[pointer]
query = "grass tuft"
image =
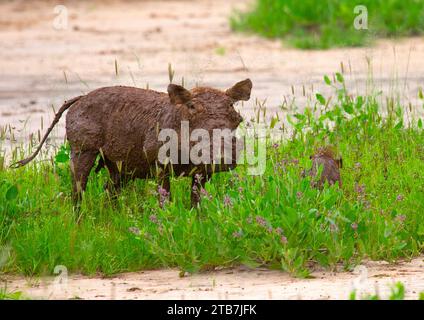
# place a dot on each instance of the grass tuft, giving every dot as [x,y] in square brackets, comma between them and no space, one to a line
[310,24]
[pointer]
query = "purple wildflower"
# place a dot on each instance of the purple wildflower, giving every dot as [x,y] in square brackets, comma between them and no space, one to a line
[360,188]
[198,178]
[227,201]
[163,195]
[279,231]
[238,234]
[401,218]
[261,220]
[284,162]
[295,162]
[205,193]
[354,226]
[299,194]
[154,218]
[399,197]
[367,204]
[134,230]
[283,239]
[334,227]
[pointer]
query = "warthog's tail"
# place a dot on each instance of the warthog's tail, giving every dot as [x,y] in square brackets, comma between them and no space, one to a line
[62,109]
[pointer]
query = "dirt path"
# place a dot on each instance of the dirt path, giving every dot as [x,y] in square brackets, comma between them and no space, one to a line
[40,66]
[239,283]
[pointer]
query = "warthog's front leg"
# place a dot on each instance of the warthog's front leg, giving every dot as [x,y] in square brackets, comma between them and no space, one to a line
[198,182]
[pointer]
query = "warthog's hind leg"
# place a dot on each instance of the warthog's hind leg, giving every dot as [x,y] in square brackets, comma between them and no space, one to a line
[81,165]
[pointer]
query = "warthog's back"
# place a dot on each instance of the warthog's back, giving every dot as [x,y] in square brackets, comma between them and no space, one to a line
[113,115]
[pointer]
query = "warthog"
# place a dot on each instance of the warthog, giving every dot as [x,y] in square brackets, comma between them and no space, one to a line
[122,124]
[330,168]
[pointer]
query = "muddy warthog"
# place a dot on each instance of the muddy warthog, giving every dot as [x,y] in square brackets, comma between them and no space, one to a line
[330,168]
[121,124]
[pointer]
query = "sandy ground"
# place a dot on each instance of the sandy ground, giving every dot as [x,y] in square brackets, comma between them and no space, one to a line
[41,65]
[239,283]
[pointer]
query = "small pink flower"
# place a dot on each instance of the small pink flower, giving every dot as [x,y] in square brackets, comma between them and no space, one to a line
[295,162]
[399,197]
[279,231]
[153,218]
[354,226]
[227,201]
[198,178]
[401,218]
[261,220]
[163,195]
[334,227]
[238,234]
[134,230]
[283,240]
[360,188]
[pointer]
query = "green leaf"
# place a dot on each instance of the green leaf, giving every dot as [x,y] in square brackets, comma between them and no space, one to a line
[348,108]
[274,121]
[61,157]
[397,292]
[420,230]
[327,80]
[399,125]
[339,77]
[320,98]
[359,102]
[420,93]
[11,193]
[420,123]
[299,116]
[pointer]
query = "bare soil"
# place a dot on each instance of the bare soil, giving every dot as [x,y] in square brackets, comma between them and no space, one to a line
[238,283]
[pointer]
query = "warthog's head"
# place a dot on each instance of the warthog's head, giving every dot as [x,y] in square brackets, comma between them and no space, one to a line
[210,112]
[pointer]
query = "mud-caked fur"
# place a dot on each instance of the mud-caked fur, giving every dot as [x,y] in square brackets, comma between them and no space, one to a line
[324,157]
[121,124]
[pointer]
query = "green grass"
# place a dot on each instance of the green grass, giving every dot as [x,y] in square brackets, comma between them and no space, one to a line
[323,24]
[275,220]
[5,294]
[397,292]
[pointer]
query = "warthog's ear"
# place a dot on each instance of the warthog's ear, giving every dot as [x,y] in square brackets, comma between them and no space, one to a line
[240,91]
[178,94]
